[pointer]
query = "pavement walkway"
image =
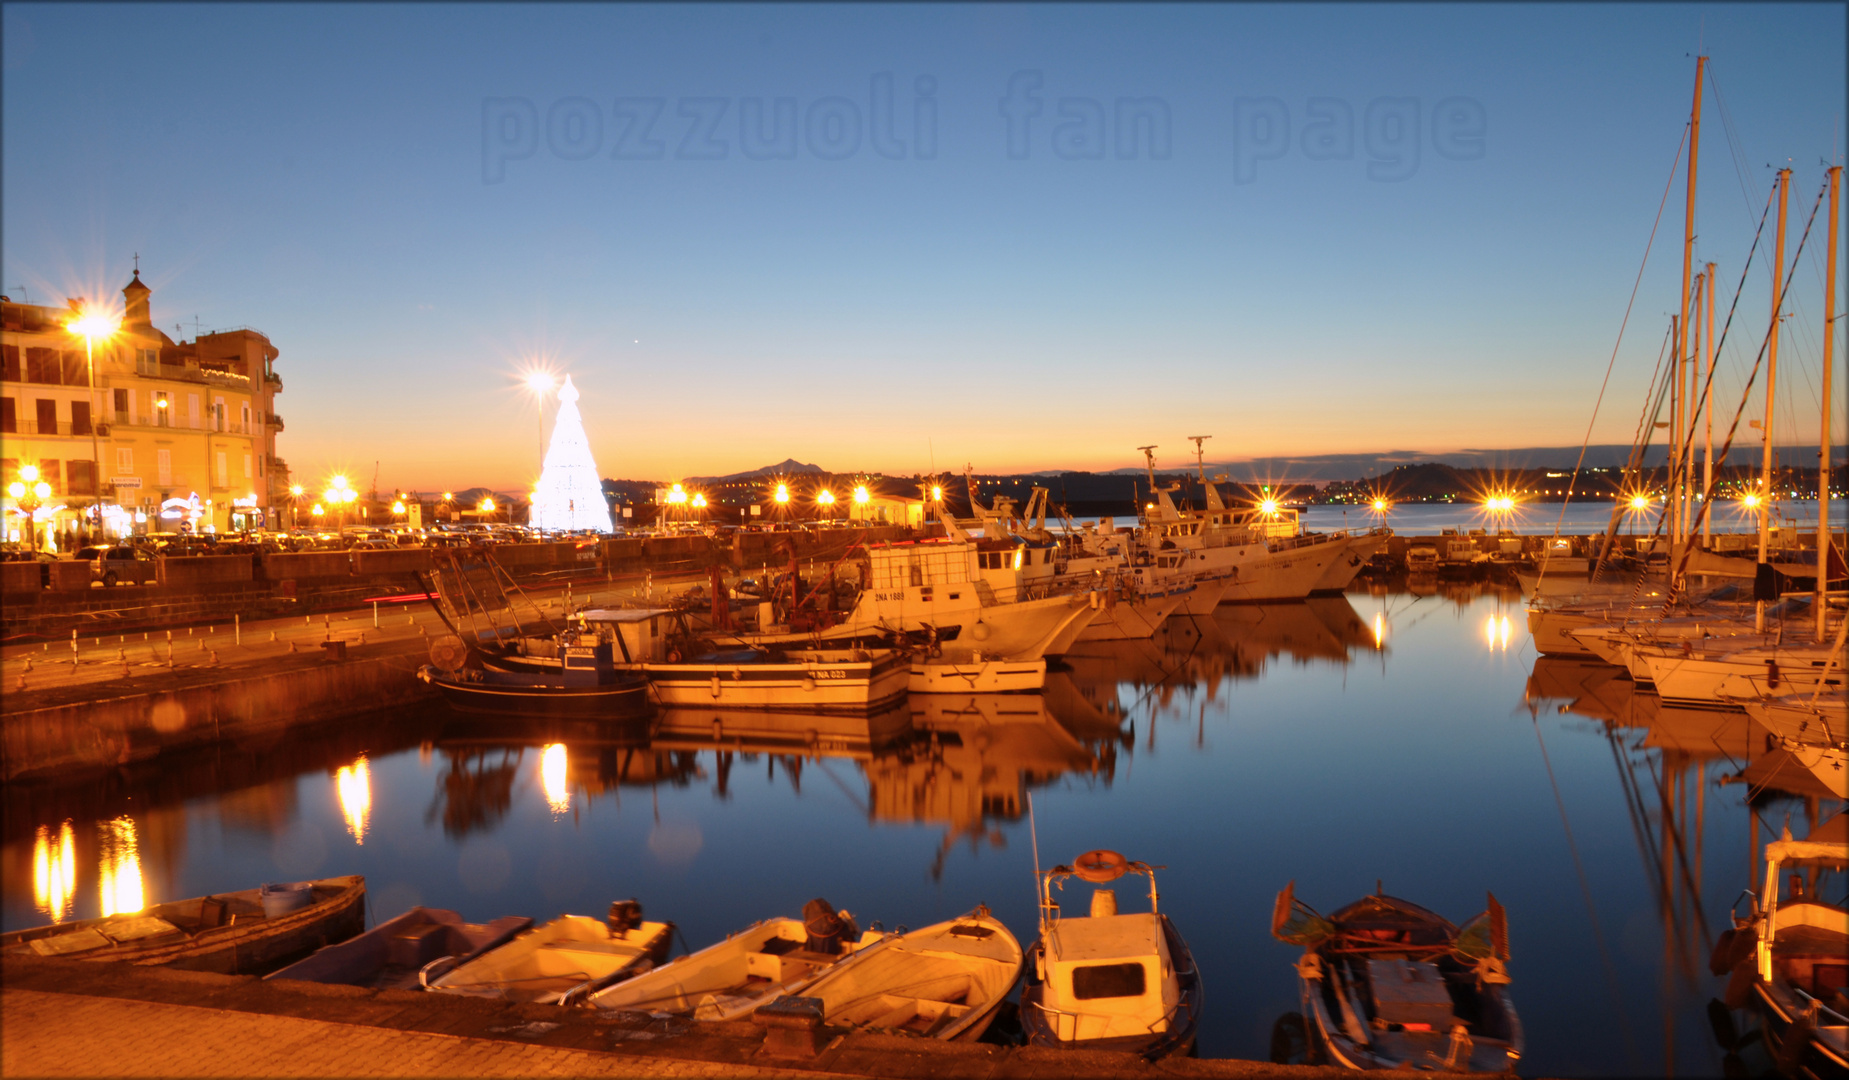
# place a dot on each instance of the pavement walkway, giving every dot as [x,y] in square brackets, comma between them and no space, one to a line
[59,1035]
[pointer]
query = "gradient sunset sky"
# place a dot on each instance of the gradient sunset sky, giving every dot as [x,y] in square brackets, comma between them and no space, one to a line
[891,238]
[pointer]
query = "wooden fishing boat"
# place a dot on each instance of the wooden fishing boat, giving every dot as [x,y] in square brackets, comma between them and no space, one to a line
[1389,985]
[559,963]
[580,681]
[1110,981]
[942,982]
[229,933]
[1788,961]
[389,956]
[732,978]
[975,673]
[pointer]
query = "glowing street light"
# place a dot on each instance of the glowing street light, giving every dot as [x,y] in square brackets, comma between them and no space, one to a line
[29,493]
[90,325]
[699,502]
[861,496]
[1640,502]
[542,384]
[1749,501]
[1266,506]
[782,495]
[937,493]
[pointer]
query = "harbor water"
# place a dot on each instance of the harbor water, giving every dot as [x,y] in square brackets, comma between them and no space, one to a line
[1401,737]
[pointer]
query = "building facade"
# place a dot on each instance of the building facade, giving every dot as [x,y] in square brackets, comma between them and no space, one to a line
[153,436]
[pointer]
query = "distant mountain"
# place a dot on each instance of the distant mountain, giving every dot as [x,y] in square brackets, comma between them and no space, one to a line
[786,467]
[1359,466]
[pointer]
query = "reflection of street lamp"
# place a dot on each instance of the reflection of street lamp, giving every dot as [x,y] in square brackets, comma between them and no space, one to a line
[29,493]
[92,325]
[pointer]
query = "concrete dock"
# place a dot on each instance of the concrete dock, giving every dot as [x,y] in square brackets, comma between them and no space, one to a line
[81,1018]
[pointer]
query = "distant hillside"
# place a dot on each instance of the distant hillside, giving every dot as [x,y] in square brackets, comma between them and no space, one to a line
[786,467]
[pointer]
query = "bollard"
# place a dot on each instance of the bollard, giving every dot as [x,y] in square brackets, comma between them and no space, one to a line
[308,620]
[375,614]
[122,655]
[237,629]
[211,629]
[362,638]
[214,656]
[22,682]
[272,637]
[28,663]
[201,644]
[292,646]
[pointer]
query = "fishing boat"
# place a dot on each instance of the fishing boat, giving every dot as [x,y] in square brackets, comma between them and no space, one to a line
[1110,981]
[1387,984]
[942,982]
[559,963]
[730,979]
[235,933]
[389,956]
[1788,960]
[585,686]
[975,672]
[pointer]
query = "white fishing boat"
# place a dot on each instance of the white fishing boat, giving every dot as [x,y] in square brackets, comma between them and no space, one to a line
[1109,981]
[942,982]
[1786,961]
[730,979]
[558,963]
[1730,671]
[975,673]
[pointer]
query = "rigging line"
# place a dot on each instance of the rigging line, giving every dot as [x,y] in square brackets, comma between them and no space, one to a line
[1585,892]
[1741,170]
[1632,473]
[1613,362]
[1679,848]
[1707,497]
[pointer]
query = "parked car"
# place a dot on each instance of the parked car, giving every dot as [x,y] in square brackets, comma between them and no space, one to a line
[120,565]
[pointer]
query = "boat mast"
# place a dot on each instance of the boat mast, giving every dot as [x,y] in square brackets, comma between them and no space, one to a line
[1200,463]
[1823,439]
[1765,483]
[1707,457]
[1678,408]
[1693,398]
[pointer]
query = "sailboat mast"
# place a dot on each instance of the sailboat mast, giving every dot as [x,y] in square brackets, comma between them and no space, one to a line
[1687,497]
[1679,409]
[1823,438]
[1707,457]
[1778,302]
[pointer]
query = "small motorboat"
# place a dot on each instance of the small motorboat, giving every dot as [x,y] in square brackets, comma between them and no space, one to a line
[235,933]
[1110,981]
[389,956]
[582,681]
[942,982]
[560,963]
[1788,961]
[731,979]
[975,673]
[1389,985]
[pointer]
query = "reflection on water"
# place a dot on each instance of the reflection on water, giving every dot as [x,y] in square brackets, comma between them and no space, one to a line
[552,768]
[119,867]
[353,783]
[1404,733]
[54,872]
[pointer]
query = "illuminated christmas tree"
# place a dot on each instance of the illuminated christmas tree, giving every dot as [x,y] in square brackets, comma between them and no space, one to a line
[569,495]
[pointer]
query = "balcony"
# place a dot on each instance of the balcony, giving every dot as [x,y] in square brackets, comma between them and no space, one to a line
[276,421]
[33,427]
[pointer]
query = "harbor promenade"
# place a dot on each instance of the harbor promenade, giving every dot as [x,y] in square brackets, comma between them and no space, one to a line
[83,1019]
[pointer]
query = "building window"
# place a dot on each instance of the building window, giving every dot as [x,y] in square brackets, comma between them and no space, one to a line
[163,463]
[161,408]
[9,363]
[246,428]
[223,479]
[76,373]
[192,411]
[42,366]
[125,459]
[48,416]
[51,471]
[82,477]
[80,418]
[121,402]
[9,418]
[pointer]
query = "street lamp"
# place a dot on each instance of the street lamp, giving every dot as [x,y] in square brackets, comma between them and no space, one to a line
[91,325]
[826,500]
[541,384]
[29,493]
[295,501]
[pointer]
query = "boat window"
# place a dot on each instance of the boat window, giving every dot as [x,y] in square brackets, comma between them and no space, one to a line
[1107,981]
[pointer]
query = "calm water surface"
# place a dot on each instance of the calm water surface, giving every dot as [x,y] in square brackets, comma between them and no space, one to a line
[1400,736]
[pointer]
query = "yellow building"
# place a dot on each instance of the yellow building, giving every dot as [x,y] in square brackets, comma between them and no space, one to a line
[185,432]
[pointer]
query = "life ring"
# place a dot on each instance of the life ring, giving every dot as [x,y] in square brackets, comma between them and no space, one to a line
[674,656]
[1100,866]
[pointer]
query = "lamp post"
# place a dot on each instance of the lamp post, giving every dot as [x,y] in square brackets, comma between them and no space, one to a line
[29,493]
[541,384]
[91,325]
[826,500]
[295,505]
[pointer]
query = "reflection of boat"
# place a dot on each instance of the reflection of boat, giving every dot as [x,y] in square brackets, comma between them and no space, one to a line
[835,734]
[229,933]
[1389,985]
[389,956]
[732,978]
[1789,961]
[1110,981]
[942,982]
[560,962]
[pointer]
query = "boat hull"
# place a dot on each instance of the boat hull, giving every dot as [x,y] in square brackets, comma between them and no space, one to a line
[249,943]
[510,693]
[556,963]
[824,681]
[1132,620]
[388,956]
[971,676]
[1183,1026]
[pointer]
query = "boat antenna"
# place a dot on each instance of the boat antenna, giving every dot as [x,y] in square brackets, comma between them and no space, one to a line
[1033,832]
[1200,459]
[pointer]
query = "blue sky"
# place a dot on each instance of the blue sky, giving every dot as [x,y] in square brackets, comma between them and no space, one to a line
[350,180]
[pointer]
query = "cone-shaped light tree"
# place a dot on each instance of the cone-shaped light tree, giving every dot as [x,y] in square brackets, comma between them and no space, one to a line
[569,495]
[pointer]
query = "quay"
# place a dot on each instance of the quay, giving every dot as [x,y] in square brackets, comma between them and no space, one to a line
[83,1018]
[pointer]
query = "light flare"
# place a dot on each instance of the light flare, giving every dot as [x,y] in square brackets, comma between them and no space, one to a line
[54,872]
[1380,629]
[1496,631]
[353,783]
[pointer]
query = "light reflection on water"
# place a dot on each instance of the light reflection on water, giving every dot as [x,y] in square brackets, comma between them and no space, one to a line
[119,886]
[54,871]
[1404,734]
